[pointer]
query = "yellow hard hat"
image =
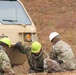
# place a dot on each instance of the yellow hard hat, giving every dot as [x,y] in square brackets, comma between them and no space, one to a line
[35,47]
[6,41]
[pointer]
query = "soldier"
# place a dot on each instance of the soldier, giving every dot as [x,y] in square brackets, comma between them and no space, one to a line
[62,52]
[5,65]
[35,56]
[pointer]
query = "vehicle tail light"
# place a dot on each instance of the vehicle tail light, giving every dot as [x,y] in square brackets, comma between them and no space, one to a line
[27,37]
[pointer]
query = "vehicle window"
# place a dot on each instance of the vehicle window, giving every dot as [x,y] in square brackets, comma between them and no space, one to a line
[13,13]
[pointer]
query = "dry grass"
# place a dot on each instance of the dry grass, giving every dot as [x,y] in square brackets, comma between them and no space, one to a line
[53,15]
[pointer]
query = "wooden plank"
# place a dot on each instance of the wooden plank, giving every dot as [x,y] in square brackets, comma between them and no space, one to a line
[59,73]
[31,74]
[41,73]
[34,74]
[64,73]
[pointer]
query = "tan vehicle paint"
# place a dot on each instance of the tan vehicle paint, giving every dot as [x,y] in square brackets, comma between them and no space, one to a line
[16,31]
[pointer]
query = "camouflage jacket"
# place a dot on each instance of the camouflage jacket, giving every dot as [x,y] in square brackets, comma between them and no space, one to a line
[63,54]
[35,62]
[5,62]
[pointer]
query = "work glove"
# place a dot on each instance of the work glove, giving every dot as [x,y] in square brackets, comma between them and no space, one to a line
[21,48]
[47,62]
[18,45]
[52,66]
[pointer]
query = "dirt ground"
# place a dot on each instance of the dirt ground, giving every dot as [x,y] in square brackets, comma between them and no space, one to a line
[53,15]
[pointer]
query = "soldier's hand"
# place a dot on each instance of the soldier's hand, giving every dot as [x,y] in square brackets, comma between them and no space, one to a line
[47,62]
[18,45]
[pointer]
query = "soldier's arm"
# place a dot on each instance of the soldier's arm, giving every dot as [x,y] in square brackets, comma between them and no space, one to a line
[21,47]
[53,54]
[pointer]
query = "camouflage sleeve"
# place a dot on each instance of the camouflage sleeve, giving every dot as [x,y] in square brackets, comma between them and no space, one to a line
[6,66]
[55,52]
[24,49]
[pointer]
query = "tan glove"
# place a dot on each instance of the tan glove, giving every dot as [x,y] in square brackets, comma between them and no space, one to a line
[46,62]
[53,66]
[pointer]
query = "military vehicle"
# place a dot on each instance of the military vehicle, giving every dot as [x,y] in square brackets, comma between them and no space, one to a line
[16,24]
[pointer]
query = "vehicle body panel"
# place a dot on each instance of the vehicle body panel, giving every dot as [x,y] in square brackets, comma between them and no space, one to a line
[16,24]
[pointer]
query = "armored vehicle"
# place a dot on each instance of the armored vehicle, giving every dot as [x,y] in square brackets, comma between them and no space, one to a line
[16,24]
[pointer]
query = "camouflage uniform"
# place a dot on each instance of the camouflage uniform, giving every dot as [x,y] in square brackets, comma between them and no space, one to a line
[62,53]
[5,66]
[35,62]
